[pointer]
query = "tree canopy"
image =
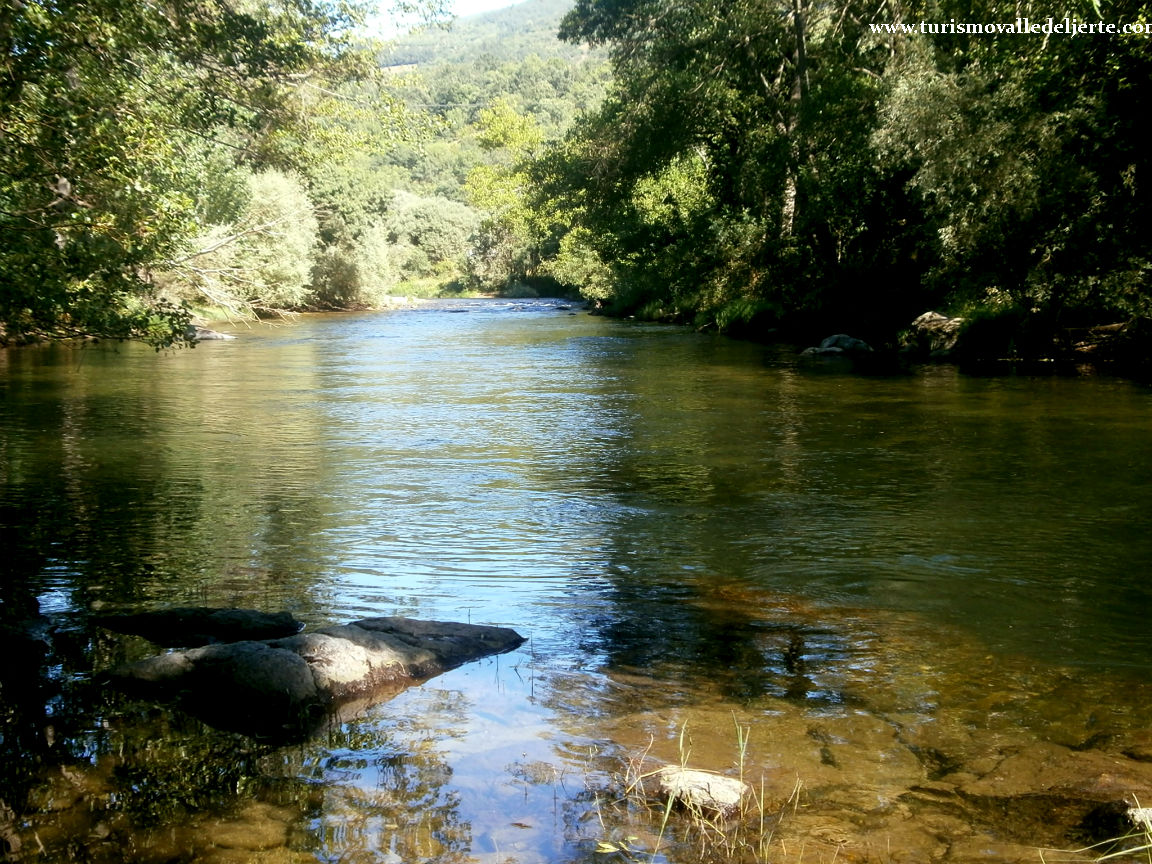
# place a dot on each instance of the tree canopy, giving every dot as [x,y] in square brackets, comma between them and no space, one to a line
[748,165]
[772,160]
[110,110]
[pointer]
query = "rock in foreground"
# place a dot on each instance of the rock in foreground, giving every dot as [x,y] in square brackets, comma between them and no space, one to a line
[702,790]
[286,687]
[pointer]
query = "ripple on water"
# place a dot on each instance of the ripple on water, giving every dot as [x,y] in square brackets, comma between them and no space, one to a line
[898,587]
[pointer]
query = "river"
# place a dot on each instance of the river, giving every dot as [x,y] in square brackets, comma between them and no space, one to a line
[894,600]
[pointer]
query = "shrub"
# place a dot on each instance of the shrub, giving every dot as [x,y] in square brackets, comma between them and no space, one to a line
[439,228]
[262,260]
[355,275]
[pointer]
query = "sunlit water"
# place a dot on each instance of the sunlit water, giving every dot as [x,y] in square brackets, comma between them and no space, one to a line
[891,579]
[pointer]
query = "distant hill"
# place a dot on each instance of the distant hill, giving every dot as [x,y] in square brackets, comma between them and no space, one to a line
[451,74]
[503,35]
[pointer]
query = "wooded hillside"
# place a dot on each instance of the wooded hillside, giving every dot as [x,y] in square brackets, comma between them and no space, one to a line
[159,165]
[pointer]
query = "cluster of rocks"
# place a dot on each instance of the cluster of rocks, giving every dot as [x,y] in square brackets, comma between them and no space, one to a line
[930,335]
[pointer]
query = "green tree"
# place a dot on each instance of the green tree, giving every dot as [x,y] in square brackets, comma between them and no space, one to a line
[104,106]
[829,157]
[511,238]
[261,261]
[1027,152]
[438,227]
[727,176]
[359,275]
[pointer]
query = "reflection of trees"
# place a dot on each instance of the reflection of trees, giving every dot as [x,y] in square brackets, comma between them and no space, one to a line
[989,504]
[700,633]
[183,479]
[388,792]
[150,778]
[132,479]
[694,441]
[727,504]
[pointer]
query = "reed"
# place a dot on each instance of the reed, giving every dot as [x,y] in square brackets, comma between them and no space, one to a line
[741,836]
[1135,846]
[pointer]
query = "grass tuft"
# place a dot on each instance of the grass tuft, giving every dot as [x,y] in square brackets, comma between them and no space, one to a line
[1134,846]
[660,825]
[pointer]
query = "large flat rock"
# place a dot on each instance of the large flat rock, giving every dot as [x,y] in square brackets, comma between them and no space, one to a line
[287,687]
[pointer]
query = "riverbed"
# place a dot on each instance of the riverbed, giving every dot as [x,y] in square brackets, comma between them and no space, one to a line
[909,605]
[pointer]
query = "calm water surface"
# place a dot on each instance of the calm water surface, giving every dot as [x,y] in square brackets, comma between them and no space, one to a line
[887,582]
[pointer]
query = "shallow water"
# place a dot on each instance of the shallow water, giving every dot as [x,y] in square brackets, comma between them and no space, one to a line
[890,583]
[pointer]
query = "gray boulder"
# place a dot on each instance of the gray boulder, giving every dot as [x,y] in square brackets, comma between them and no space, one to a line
[837,345]
[287,688]
[933,334]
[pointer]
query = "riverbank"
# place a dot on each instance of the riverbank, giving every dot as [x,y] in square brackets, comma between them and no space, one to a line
[980,337]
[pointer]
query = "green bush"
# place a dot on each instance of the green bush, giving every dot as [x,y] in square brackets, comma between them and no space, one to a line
[438,228]
[276,255]
[355,275]
[262,260]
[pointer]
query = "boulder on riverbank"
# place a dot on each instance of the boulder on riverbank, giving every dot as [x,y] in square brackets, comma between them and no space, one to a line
[932,334]
[286,687]
[838,345]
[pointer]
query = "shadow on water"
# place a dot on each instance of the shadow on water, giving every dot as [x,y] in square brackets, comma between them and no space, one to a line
[678,632]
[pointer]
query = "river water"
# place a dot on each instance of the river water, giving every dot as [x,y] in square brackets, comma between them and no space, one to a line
[909,605]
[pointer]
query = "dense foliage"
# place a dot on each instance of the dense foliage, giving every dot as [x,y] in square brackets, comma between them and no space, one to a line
[250,158]
[112,112]
[745,166]
[493,88]
[1027,154]
[770,161]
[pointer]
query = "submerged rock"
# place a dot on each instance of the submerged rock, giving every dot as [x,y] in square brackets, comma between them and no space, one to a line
[701,790]
[287,687]
[197,333]
[1085,793]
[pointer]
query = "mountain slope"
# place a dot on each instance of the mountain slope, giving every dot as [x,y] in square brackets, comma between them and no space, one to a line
[508,34]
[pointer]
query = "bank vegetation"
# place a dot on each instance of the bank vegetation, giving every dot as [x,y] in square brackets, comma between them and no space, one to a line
[762,167]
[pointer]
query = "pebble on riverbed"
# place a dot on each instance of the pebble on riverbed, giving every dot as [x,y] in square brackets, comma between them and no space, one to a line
[702,789]
[1141,817]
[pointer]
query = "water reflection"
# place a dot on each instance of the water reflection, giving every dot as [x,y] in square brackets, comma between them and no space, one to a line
[893,582]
